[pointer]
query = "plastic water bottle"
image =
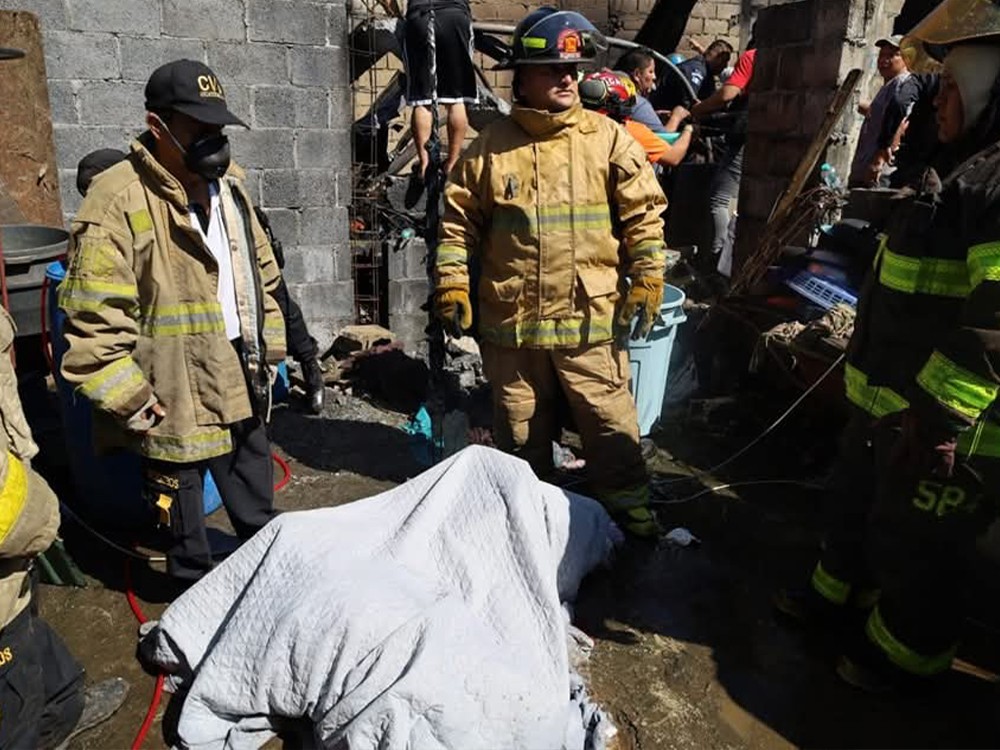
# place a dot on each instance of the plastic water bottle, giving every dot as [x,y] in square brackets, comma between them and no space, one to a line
[830,177]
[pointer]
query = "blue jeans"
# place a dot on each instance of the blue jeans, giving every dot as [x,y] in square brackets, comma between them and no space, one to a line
[724,187]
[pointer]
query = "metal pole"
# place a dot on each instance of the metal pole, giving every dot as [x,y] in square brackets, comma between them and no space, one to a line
[433,180]
[500,28]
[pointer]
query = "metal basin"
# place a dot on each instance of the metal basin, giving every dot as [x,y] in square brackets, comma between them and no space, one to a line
[27,250]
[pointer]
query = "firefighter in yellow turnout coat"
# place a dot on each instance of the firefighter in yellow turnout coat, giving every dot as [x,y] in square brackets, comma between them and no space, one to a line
[563,210]
[171,320]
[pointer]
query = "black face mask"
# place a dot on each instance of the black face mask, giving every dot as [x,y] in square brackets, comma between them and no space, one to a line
[207,157]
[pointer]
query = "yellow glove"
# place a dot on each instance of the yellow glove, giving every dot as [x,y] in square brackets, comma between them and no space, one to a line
[644,298]
[454,309]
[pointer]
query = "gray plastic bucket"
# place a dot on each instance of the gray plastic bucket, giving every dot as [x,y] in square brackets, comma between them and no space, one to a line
[27,250]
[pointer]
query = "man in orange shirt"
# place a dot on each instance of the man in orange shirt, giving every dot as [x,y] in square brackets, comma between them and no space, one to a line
[614,95]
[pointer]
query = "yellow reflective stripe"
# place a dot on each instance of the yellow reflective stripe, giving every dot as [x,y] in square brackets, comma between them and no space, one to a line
[200,446]
[902,655]
[182,319]
[649,249]
[114,383]
[87,295]
[13,495]
[878,401]
[549,333]
[829,586]
[140,221]
[984,263]
[449,255]
[937,276]
[595,216]
[981,440]
[533,42]
[531,220]
[955,387]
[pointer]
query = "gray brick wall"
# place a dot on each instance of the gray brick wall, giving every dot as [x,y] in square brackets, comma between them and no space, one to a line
[805,50]
[284,66]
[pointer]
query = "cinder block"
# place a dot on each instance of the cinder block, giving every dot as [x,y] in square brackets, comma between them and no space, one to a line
[324,226]
[765,70]
[792,23]
[51,13]
[263,149]
[113,16]
[68,194]
[285,225]
[410,329]
[141,56]
[340,108]
[408,295]
[343,263]
[288,106]
[253,64]
[238,101]
[112,103]
[785,155]
[758,195]
[322,148]
[716,27]
[71,55]
[73,142]
[205,19]
[62,102]
[325,300]
[299,188]
[336,25]
[325,67]
[253,185]
[288,21]
[791,72]
[306,265]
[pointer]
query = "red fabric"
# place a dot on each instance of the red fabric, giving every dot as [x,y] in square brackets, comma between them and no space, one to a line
[743,73]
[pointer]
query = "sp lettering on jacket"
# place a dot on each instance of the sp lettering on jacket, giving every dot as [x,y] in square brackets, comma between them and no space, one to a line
[6,656]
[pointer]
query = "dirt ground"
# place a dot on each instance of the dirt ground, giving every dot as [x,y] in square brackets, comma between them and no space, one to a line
[688,654]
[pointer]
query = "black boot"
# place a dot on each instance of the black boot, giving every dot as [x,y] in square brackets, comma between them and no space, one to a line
[100,702]
[312,376]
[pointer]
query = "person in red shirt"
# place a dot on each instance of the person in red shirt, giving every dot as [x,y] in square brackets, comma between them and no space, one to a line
[731,97]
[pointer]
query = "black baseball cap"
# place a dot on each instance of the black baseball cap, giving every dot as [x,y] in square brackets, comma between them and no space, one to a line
[191,88]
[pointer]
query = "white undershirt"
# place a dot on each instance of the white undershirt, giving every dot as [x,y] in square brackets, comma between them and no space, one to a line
[217,242]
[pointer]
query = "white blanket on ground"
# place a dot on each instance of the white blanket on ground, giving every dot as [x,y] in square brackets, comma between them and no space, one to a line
[427,617]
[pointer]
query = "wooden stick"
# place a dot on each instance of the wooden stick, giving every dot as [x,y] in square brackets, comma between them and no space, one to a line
[816,148]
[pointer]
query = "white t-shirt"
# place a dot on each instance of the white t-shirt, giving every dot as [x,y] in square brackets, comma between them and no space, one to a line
[217,242]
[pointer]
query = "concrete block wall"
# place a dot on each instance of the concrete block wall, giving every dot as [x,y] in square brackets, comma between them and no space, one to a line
[805,50]
[284,66]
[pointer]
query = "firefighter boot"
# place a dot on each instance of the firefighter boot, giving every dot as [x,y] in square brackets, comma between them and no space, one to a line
[100,702]
[312,376]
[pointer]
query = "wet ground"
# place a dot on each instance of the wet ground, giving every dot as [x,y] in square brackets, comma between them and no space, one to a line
[688,654]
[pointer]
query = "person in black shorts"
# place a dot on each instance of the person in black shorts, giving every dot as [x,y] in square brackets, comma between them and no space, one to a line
[455,83]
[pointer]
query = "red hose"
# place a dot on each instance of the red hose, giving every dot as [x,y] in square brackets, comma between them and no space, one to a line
[133,603]
[285,468]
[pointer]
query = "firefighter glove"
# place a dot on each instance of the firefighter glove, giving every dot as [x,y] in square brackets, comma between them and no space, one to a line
[643,299]
[454,309]
[922,448]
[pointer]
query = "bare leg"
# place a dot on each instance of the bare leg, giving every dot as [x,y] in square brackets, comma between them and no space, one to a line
[458,124]
[420,126]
